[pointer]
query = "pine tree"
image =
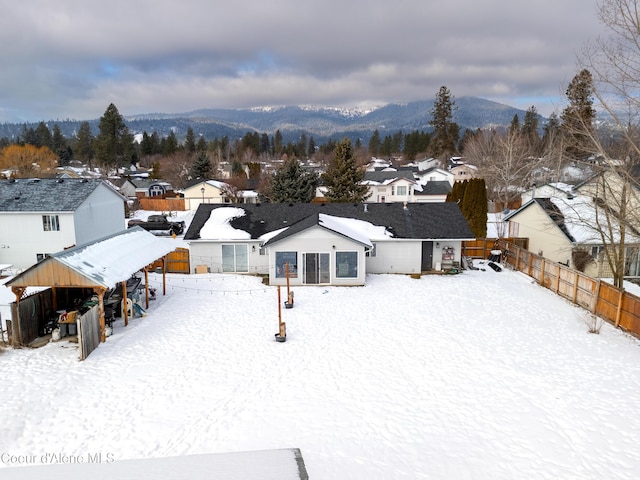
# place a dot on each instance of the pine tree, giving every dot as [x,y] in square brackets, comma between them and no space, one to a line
[445,132]
[375,143]
[110,144]
[343,178]
[292,184]
[577,117]
[201,166]
[190,141]
[84,143]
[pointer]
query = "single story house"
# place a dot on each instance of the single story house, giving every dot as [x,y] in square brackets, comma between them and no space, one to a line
[332,243]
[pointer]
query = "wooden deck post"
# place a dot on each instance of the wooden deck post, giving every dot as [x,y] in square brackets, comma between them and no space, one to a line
[100,291]
[125,299]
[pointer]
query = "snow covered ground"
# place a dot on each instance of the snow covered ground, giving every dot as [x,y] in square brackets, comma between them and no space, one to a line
[481,375]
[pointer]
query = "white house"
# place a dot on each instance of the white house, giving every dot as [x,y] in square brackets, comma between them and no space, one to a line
[333,244]
[44,216]
[390,186]
[213,191]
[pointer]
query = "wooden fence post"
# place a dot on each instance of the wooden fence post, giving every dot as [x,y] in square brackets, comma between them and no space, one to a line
[559,270]
[575,287]
[619,311]
[541,282]
[596,297]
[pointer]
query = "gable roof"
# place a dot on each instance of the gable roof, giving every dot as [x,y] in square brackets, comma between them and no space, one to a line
[440,220]
[104,262]
[46,194]
[328,222]
[386,177]
[434,187]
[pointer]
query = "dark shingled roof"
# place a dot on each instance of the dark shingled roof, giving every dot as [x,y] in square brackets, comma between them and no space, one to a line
[45,194]
[388,175]
[434,187]
[417,220]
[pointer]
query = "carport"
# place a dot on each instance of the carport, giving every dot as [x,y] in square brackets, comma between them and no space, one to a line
[98,266]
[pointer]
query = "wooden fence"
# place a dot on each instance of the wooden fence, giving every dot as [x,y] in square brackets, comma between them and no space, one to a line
[481,247]
[610,303]
[162,204]
[175,262]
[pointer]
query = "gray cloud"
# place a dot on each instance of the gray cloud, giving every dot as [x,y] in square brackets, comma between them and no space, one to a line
[70,59]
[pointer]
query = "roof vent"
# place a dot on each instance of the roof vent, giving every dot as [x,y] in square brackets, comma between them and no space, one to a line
[366,207]
[59,180]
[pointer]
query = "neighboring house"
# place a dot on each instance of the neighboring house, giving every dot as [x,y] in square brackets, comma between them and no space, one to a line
[387,186]
[547,190]
[44,216]
[200,191]
[434,174]
[463,172]
[146,187]
[333,244]
[433,191]
[564,229]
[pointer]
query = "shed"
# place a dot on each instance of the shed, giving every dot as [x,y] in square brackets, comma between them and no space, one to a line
[100,265]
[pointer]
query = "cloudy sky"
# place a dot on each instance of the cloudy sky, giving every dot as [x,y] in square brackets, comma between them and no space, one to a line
[68,59]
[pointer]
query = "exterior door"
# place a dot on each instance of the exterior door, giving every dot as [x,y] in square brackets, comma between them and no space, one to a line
[427,256]
[316,268]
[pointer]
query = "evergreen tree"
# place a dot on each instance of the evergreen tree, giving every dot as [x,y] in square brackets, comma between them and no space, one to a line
[292,184]
[190,141]
[169,144]
[375,143]
[456,194]
[278,143]
[110,144]
[474,206]
[201,145]
[514,128]
[43,136]
[201,166]
[577,117]
[445,132]
[84,143]
[343,178]
[312,147]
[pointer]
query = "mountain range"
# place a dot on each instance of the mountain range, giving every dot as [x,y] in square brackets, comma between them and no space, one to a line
[321,123]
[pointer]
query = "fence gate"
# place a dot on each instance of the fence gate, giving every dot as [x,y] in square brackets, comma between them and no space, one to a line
[88,332]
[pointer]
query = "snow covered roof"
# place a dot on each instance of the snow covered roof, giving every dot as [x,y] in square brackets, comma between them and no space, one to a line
[578,218]
[440,220]
[105,262]
[357,230]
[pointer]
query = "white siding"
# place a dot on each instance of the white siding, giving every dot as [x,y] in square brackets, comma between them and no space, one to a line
[101,214]
[317,240]
[394,256]
[209,253]
[22,237]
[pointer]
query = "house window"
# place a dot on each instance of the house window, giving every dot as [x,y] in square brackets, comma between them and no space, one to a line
[235,258]
[372,252]
[282,258]
[50,223]
[156,191]
[393,190]
[402,190]
[41,256]
[596,250]
[346,264]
